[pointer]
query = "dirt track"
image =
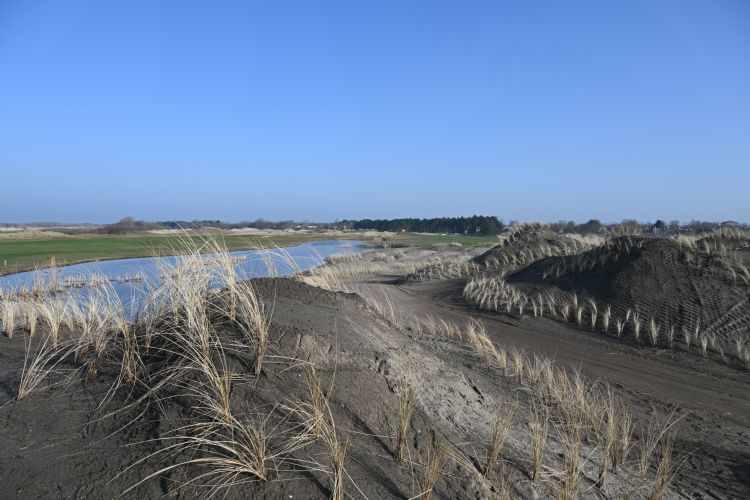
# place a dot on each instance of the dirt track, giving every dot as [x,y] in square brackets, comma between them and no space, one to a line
[716,430]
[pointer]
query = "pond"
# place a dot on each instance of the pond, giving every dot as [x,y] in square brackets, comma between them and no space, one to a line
[131,278]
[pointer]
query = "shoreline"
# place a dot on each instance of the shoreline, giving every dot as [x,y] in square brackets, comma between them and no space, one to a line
[73,262]
[160,244]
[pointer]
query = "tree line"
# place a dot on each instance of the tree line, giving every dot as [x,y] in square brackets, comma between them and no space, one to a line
[478,225]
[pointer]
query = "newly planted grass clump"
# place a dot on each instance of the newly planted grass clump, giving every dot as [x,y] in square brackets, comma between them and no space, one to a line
[38,364]
[433,469]
[317,401]
[52,313]
[593,314]
[337,450]
[653,332]
[405,409]
[539,429]
[8,311]
[606,315]
[252,319]
[636,325]
[573,441]
[500,430]
[666,469]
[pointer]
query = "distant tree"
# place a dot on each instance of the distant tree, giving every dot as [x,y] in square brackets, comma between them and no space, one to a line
[124,225]
[627,226]
[592,226]
[563,226]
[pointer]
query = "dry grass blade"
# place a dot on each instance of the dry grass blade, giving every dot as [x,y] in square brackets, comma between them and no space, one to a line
[499,432]
[227,448]
[606,316]
[539,429]
[619,327]
[653,332]
[593,313]
[636,326]
[573,441]
[129,346]
[37,367]
[505,485]
[667,468]
[32,317]
[253,320]
[8,311]
[338,460]
[519,361]
[406,404]
[623,437]
[337,450]
[318,402]
[52,312]
[657,429]
[607,437]
[433,469]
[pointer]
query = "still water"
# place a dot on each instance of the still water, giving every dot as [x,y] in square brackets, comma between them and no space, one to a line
[131,278]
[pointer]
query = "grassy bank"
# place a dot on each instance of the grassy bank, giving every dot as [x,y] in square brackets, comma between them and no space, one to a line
[22,255]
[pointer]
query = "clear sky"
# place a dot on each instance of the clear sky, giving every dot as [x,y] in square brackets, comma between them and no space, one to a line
[531,110]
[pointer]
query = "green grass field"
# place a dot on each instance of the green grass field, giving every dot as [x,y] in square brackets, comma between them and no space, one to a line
[22,255]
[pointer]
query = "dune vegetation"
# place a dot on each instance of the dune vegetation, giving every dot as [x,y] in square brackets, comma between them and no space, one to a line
[246,404]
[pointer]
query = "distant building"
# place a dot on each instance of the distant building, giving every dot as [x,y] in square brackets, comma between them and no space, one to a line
[730,223]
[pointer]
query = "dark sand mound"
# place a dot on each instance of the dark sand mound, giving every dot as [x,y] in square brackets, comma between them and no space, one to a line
[78,437]
[516,249]
[522,247]
[678,286]
[733,238]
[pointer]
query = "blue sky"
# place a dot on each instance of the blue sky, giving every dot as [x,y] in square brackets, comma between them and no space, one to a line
[532,110]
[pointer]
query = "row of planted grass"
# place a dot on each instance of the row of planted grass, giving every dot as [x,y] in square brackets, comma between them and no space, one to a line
[492,293]
[593,426]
